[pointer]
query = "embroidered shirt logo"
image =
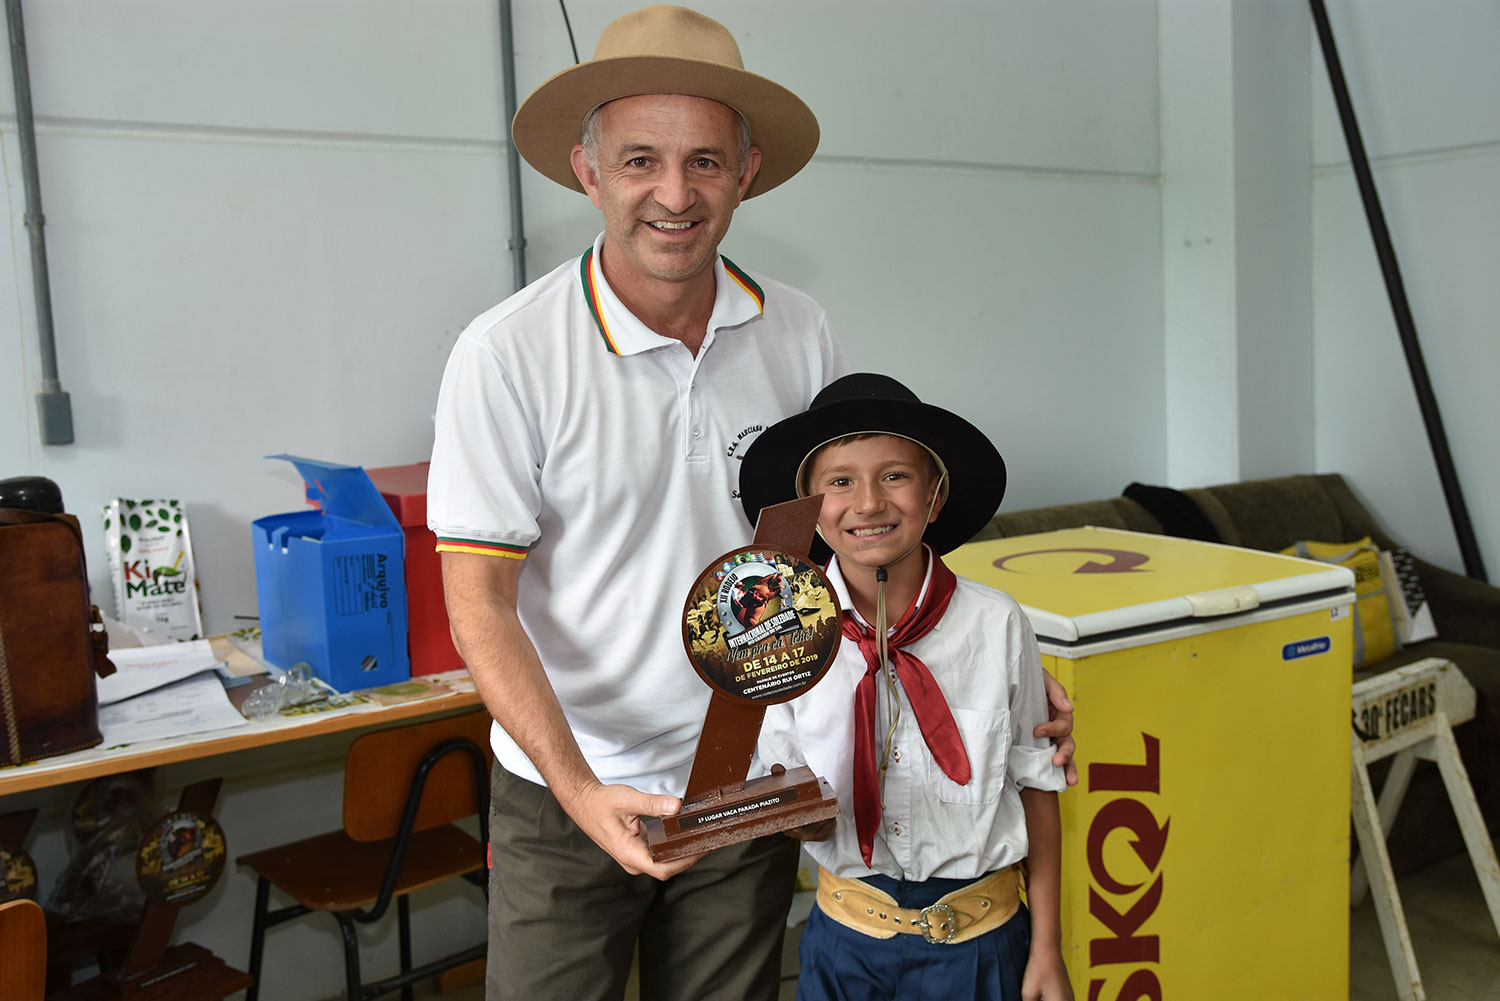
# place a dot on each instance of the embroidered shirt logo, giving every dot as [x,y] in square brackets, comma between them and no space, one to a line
[740,444]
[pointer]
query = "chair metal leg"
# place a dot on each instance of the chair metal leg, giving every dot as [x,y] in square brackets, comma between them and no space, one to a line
[403,924]
[353,987]
[258,936]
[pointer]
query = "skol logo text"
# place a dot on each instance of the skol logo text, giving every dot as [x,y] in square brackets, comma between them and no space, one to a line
[1124,954]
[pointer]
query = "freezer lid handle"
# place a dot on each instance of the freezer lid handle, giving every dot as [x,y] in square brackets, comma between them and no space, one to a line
[1224,601]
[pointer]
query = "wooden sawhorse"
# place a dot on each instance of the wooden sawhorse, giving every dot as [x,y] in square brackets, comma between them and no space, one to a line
[1410,713]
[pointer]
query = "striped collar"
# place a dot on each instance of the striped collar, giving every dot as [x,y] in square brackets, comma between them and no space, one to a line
[737,298]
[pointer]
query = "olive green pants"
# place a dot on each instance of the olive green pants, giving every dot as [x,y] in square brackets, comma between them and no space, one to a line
[565,920]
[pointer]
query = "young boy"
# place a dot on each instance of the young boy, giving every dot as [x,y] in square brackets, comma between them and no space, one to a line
[926,737]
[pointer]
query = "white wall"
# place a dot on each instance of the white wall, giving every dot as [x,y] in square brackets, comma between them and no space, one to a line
[267,224]
[269,219]
[1425,84]
[982,219]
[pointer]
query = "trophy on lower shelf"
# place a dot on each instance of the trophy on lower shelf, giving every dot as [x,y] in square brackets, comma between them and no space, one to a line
[761,626]
[178,861]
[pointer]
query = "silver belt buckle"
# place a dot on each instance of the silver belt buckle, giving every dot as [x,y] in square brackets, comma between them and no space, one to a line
[943,930]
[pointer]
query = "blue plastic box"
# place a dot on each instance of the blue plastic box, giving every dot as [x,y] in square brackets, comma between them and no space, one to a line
[331,582]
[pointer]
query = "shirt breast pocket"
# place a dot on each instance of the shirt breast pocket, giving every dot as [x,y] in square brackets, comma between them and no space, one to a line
[986,735]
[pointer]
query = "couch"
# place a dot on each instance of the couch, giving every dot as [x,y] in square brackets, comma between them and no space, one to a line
[1271,515]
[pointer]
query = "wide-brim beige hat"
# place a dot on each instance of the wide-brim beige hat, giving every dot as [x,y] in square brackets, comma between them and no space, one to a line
[665,49]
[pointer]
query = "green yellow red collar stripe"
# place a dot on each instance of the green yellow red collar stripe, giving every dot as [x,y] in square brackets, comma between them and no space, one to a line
[591,296]
[745,282]
[596,308]
[480,547]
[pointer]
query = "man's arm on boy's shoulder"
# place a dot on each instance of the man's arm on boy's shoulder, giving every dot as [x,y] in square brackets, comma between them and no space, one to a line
[1046,976]
[481,595]
[1059,726]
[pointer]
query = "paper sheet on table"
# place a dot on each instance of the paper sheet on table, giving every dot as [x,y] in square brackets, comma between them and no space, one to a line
[192,705]
[142,669]
[237,662]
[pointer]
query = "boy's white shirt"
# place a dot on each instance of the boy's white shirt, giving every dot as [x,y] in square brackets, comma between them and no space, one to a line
[984,657]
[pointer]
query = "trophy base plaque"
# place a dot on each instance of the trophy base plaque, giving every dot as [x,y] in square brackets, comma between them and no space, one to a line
[740,811]
[185,972]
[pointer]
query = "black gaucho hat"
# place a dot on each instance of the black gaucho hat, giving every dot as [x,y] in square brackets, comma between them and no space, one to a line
[865,403]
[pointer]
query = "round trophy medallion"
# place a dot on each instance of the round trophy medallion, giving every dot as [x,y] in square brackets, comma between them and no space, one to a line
[17,875]
[111,801]
[761,625]
[180,858]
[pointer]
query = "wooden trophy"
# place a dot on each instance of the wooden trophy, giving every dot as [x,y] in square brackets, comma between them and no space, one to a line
[761,626]
[180,859]
[17,870]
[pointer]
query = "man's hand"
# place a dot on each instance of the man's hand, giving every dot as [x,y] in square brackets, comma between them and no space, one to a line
[1059,727]
[611,816]
[481,597]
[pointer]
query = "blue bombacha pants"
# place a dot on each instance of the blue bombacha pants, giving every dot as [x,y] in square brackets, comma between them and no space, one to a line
[841,964]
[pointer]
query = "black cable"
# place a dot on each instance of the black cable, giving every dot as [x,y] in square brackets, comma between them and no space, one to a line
[569,25]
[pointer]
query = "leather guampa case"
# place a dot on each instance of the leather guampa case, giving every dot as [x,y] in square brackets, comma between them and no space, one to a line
[52,640]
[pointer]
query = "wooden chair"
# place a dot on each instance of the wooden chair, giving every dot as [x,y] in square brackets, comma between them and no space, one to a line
[403,788]
[23,951]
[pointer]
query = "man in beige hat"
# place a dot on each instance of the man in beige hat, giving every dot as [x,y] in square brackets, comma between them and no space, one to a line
[589,431]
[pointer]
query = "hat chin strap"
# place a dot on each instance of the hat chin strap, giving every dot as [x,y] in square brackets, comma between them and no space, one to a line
[893,703]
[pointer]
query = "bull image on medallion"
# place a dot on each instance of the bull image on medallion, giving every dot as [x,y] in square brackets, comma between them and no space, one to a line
[747,621]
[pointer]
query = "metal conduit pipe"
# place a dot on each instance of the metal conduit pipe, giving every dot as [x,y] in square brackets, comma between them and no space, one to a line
[517,242]
[54,411]
[1395,288]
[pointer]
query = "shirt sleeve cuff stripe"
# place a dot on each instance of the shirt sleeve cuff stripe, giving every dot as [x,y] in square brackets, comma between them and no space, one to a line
[481,548]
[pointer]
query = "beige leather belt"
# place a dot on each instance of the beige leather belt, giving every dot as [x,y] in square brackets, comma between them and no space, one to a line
[966,913]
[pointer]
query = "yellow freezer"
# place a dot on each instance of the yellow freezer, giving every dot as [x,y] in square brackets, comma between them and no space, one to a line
[1206,845]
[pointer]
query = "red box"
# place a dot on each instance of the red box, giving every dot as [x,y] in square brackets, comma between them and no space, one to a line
[428,639]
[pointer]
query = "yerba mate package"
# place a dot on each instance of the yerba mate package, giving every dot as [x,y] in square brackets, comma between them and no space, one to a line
[151,567]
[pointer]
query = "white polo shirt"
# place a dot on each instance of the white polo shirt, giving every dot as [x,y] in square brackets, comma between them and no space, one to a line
[984,657]
[607,457]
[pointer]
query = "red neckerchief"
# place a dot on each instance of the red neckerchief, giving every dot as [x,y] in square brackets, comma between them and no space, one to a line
[934,718]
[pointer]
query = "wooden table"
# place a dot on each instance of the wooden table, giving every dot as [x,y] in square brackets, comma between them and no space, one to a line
[214,978]
[96,761]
